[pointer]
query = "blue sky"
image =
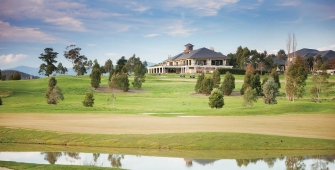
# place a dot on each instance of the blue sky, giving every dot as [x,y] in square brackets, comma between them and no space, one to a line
[109,29]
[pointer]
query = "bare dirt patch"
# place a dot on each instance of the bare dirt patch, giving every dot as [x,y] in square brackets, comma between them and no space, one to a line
[105,89]
[313,126]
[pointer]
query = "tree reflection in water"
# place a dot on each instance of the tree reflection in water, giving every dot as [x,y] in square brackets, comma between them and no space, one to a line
[321,162]
[115,160]
[51,157]
[188,162]
[295,163]
[96,156]
[73,156]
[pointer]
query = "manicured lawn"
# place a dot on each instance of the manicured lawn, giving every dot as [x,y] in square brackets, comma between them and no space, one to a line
[161,94]
[188,141]
[30,166]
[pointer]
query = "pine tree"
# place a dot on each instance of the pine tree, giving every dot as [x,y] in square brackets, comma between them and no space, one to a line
[275,76]
[216,78]
[249,97]
[270,91]
[256,84]
[95,78]
[89,99]
[199,83]
[216,99]
[17,76]
[228,84]
[207,85]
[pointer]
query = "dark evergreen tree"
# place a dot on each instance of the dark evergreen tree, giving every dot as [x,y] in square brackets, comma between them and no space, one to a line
[49,57]
[228,84]
[216,99]
[216,78]
[198,86]
[16,76]
[88,100]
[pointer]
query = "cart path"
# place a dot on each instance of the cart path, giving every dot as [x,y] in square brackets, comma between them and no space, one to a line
[308,125]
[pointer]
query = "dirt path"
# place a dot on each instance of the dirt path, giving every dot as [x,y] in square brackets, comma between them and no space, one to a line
[314,126]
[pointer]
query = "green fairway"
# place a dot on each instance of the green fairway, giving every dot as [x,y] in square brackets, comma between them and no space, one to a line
[160,95]
[31,166]
[189,141]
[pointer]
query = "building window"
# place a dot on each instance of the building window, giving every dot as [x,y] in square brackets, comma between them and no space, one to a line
[217,63]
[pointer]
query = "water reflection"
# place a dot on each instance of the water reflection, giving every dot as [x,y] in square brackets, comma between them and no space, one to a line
[316,162]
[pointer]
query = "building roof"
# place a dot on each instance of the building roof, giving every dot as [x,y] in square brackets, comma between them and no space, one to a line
[306,53]
[201,53]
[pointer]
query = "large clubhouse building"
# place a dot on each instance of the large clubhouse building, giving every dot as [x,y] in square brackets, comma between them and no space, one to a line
[202,60]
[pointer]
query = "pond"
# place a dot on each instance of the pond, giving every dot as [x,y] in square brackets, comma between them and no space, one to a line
[138,162]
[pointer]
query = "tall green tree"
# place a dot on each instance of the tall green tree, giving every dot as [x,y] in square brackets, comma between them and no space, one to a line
[95,75]
[61,69]
[3,77]
[249,96]
[0,74]
[216,99]
[120,81]
[248,78]
[120,65]
[207,85]
[228,84]
[108,66]
[320,80]
[270,91]
[78,61]
[54,93]
[198,85]
[296,76]
[216,78]
[274,74]
[11,77]
[17,76]
[89,65]
[49,57]
[256,84]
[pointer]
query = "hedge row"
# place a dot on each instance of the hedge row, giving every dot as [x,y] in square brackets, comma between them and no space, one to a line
[232,71]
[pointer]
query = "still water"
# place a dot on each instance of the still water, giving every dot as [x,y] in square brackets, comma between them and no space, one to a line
[135,162]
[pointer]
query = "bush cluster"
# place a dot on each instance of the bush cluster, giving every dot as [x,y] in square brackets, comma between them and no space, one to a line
[232,71]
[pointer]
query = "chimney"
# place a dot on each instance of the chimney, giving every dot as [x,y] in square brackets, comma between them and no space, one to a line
[189,48]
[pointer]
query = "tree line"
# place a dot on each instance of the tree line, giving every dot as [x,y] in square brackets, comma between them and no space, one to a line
[118,75]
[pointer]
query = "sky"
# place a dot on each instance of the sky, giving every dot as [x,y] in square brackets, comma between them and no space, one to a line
[153,30]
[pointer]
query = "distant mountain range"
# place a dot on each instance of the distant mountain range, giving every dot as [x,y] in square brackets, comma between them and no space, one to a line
[34,71]
[23,75]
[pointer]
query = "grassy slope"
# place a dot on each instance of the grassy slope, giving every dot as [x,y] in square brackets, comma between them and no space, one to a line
[30,166]
[189,141]
[163,94]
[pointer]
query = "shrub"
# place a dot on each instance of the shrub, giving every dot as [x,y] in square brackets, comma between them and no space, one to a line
[121,81]
[54,93]
[0,101]
[216,78]
[89,100]
[216,99]
[232,71]
[199,83]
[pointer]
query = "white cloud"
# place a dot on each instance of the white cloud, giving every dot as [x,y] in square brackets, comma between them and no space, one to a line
[290,3]
[67,23]
[203,8]
[111,54]
[151,35]
[178,29]
[331,47]
[11,58]
[10,33]
[119,27]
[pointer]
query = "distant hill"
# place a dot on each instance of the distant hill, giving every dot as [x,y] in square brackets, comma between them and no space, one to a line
[34,71]
[24,76]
